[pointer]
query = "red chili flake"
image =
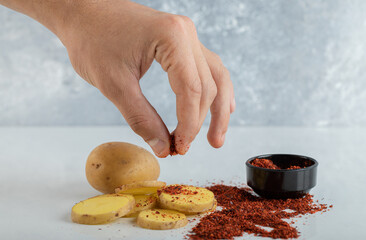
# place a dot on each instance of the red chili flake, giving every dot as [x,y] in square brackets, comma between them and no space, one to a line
[157,212]
[266,163]
[176,190]
[173,150]
[244,212]
[294,167]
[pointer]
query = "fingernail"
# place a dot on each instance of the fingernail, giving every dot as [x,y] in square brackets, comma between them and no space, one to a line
[157,145]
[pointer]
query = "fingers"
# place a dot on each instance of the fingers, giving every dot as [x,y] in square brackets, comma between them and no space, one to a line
[191,80]
[190,101]
[199,81]
[138,112]
[224,103]
[232,98]
[185,82]
[188,104]
[209,89]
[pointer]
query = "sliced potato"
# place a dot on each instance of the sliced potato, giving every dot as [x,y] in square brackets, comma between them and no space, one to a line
[140,188]
[161,219]
[213,207]
[208,211]
[185,198]
[102,209]
[143,202]
[132,215]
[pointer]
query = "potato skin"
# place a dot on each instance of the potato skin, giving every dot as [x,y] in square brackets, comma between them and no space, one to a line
[113,164]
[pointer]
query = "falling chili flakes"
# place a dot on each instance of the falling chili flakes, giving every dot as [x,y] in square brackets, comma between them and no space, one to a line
[244,212]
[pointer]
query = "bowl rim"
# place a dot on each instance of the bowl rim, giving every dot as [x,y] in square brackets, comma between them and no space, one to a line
[282,170]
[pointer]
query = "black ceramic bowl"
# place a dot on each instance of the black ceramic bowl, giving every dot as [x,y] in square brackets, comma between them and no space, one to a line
[283,183]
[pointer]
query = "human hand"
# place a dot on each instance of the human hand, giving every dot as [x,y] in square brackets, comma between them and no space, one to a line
[111,44]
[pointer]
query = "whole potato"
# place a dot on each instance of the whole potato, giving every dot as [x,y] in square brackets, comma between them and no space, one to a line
[113,164]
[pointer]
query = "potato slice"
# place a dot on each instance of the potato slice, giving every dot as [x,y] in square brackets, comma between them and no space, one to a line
[161,219]
[213,207]
[209,211]
[185,198]
[102,209]
[143,202]
[140,188]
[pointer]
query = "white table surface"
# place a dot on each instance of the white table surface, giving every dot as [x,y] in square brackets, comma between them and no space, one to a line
[42,177]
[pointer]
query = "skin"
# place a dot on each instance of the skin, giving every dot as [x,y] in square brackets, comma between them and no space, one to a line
[112,43]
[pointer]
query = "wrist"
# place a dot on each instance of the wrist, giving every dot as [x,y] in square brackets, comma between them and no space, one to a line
[77,16]
[50,13]
[53,14]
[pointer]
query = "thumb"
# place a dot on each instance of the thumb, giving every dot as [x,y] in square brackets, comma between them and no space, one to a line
[142,117]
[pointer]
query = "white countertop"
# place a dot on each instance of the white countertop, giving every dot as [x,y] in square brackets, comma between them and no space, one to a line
[42,177]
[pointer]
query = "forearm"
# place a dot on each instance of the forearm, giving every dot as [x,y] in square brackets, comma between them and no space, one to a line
[51,13]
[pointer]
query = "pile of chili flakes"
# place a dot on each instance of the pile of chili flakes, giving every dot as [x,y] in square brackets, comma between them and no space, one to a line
[242,211]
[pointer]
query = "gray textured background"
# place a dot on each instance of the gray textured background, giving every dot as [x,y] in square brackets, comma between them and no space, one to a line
[298,63]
